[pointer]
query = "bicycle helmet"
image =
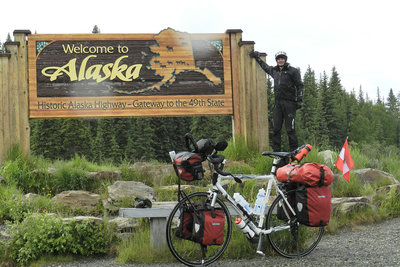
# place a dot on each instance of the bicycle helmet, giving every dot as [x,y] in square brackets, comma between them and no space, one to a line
[281,54]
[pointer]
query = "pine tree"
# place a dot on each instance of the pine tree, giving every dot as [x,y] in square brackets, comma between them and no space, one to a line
[46,139]
[75,137]
[96,29]
[308,129]
[338,124]
[324,114]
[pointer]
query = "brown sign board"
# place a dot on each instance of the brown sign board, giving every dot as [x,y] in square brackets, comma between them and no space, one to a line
[166,74]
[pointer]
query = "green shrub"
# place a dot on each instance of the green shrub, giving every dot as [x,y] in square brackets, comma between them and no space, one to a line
[391,205]
[49,235]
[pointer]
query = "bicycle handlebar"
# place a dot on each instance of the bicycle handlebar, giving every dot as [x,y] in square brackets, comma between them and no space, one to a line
[189,140]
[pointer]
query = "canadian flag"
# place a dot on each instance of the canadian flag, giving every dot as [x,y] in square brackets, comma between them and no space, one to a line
[344,163]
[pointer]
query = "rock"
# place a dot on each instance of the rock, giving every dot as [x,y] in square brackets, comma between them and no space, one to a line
[78,199]
[30,196]
[328,157]
[106,175]
[347,204]
[125,224]
[128,194]
[386,189]
[175,187]
[84,218]
[353,206]
[2,180]
[157,171]
[372,176]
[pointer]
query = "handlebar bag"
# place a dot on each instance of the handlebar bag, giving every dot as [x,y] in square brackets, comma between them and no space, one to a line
[313,205]
[188,166]
[208,227]
[310,173]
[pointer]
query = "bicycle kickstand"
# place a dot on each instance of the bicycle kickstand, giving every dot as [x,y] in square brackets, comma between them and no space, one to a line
[259,251]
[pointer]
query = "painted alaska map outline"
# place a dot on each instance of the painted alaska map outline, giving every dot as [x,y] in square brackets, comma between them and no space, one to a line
[174,55]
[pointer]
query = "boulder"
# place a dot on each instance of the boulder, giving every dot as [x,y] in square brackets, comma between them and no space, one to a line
[78,199]
[84,218]
[128,194]
[386,189]
[106,175]
[157,171]
[175,187]
[348,204]
[125,224]
[372,176]
[30,196]
[328,157]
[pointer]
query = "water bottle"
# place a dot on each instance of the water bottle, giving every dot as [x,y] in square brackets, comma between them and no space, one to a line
[259,205]
[242,202]
[245,228]
[303,152]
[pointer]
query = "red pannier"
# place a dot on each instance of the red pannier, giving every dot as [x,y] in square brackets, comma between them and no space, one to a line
[310,173]
[313,205]
[189,166]
[208,227]
[185,224]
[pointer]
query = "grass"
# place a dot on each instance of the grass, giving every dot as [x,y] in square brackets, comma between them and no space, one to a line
[137,248]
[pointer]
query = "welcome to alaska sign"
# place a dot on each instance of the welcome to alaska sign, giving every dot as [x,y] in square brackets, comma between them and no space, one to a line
[89,75]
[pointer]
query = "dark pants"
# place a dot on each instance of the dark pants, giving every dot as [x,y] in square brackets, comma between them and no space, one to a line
[284,110]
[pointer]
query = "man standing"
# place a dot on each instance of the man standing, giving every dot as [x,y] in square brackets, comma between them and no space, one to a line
[288,91]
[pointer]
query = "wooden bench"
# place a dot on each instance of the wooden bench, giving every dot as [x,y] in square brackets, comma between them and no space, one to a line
[158,214]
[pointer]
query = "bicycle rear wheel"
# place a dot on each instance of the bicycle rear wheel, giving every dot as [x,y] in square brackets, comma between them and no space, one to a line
[187,251]
[284,241]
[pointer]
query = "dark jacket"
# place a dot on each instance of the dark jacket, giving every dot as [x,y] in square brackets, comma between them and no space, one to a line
[287,81]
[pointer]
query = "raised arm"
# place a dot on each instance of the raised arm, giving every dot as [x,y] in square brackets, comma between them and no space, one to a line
[267,68]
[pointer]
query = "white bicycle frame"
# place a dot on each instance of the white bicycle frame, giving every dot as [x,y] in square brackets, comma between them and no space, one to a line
[218,189]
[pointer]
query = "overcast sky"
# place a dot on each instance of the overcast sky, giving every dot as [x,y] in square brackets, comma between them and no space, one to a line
[360,38]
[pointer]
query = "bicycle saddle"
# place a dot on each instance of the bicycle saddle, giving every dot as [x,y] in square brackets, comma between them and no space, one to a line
[277,154]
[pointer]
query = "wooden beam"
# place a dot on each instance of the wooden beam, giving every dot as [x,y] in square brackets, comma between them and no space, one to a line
[235,37]
[22,91]
[13,103]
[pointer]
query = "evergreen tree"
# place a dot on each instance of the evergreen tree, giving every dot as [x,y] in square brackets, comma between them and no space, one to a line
[46,139]
[106,145]
[271,104]
[324,114]
[378,95]
[75,137]
[308,129]
[96,29]
[338,127]
[212,127]
[143,138]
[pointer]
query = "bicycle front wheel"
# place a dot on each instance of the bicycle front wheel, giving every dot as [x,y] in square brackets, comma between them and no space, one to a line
[284,239]
[187,251]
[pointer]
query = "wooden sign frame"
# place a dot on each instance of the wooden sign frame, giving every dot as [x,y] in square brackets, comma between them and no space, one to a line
[115,75]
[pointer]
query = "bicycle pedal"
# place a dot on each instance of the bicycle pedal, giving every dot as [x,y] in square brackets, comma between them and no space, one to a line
[259,252]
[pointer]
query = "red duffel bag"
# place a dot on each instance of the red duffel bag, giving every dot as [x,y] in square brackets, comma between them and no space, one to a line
[310,173]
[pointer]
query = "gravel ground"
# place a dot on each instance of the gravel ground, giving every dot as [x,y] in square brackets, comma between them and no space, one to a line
[372,245]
